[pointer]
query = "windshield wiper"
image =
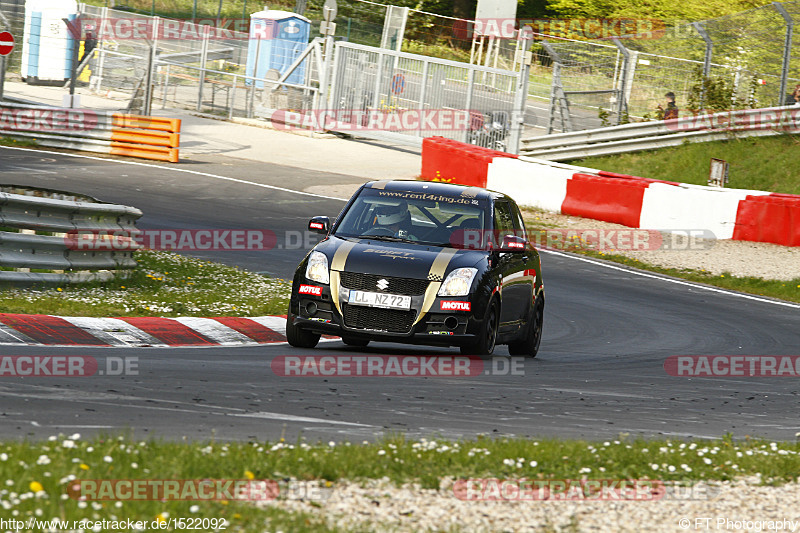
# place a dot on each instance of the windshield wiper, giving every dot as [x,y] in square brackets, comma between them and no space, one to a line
[383,238]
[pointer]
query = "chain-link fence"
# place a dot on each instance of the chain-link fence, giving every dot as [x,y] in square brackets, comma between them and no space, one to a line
[743,60]
[748,59]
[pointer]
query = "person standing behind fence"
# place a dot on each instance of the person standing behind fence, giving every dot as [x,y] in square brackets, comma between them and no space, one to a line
[794,98]
[672,110]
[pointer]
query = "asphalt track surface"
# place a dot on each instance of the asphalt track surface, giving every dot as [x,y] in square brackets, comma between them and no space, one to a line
[600,372]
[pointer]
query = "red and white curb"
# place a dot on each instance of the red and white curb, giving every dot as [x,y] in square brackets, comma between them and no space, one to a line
[140,331]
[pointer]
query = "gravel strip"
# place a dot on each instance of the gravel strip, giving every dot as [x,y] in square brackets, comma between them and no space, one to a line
[378,505]
[739,258]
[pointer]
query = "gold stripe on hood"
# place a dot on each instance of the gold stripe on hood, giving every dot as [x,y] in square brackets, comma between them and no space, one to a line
[337,264]
[436,275]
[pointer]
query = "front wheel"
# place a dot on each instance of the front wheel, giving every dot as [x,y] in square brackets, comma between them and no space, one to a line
[529,346]
[488,334]
[300,338]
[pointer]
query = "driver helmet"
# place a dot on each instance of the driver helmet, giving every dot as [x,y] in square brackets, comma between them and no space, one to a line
[388,215]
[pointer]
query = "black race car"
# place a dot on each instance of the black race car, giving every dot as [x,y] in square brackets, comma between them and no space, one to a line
[423,263]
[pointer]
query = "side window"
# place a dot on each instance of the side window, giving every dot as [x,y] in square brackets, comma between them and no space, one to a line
[519,223]
[503,220]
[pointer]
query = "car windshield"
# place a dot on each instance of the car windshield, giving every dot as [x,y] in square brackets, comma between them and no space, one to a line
[420,217]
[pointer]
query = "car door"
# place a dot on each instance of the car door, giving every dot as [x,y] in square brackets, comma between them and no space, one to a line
[528,260]
[515,293]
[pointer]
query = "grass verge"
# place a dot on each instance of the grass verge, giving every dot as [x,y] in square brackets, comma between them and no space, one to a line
[35,475]
[760,163]
[165,284]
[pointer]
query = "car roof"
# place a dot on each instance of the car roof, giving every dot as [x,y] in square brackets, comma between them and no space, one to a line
[434,187]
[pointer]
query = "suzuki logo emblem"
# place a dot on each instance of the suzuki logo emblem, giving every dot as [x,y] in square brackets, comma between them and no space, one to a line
[382,284]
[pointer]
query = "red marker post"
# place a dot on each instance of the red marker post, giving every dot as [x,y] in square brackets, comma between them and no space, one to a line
[6,47]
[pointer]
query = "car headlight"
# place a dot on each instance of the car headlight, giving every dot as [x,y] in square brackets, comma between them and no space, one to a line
[317,268]
[458,282]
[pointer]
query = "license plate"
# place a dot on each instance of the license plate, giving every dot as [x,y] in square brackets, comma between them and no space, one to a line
[376,299]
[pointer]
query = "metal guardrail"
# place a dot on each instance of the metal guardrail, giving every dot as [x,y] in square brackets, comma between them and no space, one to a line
[660,134]
[106,132]
[63,238]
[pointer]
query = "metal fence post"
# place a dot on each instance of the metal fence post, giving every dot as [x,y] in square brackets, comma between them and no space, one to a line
[520,102]
[622,104]
[233,96]
[468,103]
[101,47]
[706,60]
[422,91]
[787,49]
[332,83]
[378,76]
[203,58]
[151,65]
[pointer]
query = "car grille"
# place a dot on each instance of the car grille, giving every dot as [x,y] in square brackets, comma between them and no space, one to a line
[359,317]
[369,282]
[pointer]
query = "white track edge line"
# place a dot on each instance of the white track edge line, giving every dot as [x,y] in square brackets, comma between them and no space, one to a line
[676,281]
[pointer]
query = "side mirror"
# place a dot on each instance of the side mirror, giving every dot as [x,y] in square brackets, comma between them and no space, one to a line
[512,243]
[320,225]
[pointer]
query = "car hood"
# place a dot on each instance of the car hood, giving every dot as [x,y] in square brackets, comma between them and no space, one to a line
[400,259]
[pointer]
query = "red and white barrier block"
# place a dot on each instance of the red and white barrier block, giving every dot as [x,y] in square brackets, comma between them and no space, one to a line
[628,200]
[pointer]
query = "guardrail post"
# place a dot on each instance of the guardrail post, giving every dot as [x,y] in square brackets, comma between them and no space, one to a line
[706,59]
[787,49]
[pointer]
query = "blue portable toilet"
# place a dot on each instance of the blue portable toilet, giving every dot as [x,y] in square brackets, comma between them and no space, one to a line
[277,38]
[47,45]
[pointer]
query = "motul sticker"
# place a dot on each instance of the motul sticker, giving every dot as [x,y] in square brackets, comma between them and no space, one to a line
[310,289]
[455,306]
[316,225]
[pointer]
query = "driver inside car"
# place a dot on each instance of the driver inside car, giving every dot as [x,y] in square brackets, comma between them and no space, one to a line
[396,219]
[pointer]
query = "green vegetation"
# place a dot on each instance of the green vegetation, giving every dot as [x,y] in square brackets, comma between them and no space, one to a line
[23,143]
[760,163]
[35,476]
[164,284]
[656,9]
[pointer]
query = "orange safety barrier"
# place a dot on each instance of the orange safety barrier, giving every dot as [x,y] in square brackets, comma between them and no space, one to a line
[456,162]
[146,137]
[610,199]
[774,218]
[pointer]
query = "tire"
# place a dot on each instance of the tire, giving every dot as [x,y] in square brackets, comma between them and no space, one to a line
[351,341]
[529,346]
[488,336]
[300,338]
